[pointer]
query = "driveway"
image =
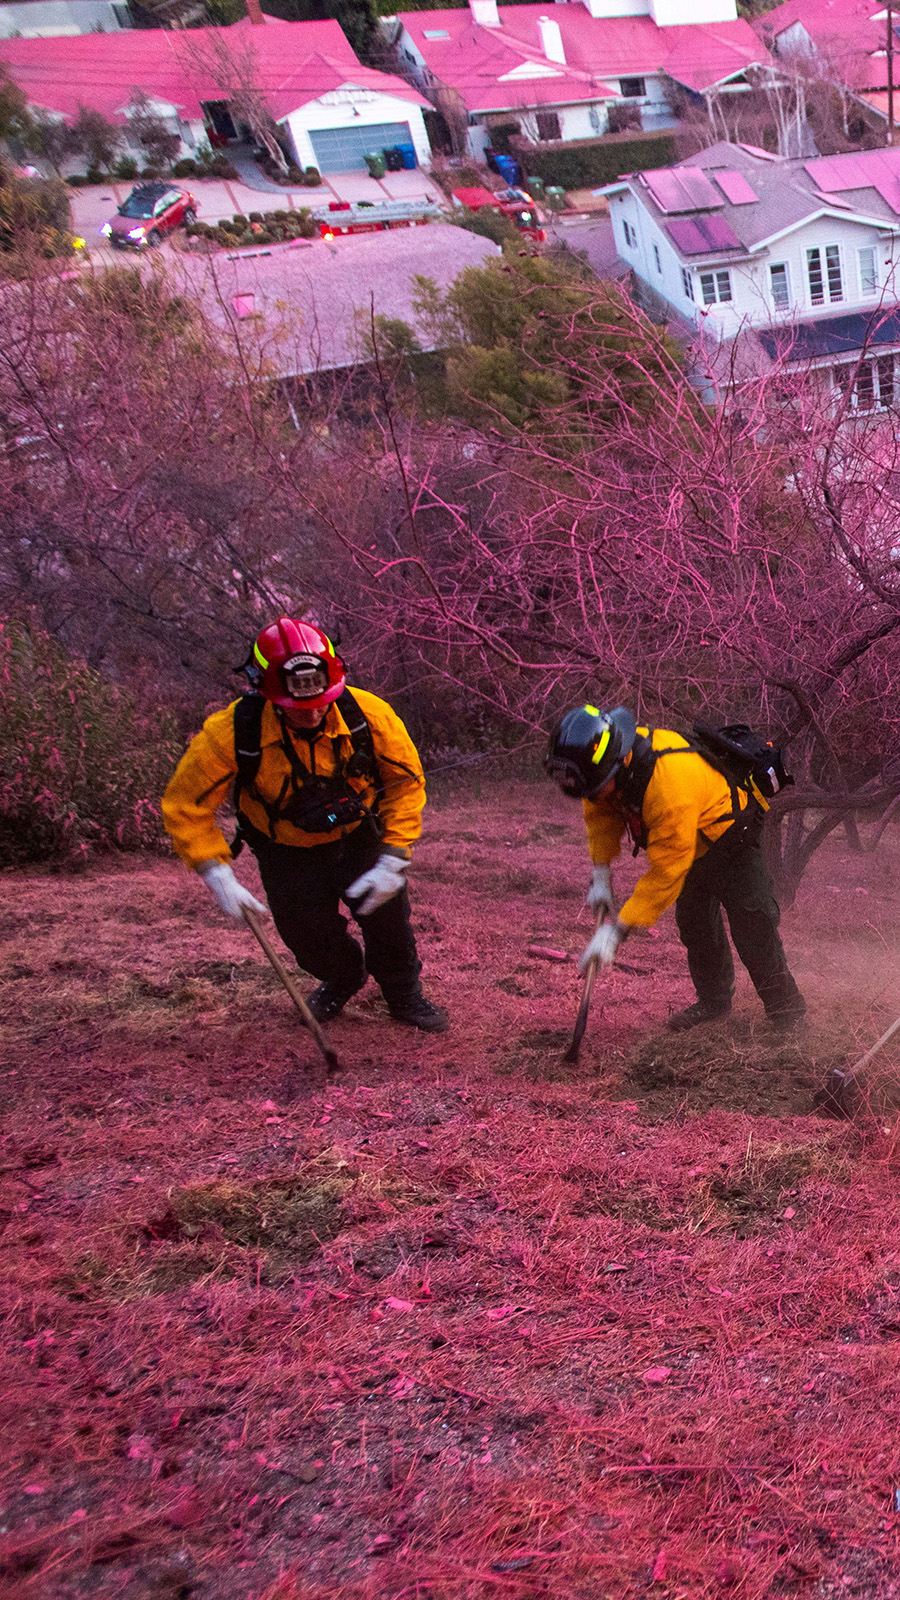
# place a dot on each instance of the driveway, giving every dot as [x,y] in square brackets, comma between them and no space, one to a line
[219,197]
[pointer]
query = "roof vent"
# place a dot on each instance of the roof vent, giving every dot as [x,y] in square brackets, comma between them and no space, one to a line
[485,12]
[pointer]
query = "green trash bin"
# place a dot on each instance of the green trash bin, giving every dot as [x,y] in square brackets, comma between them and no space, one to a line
[535,185]
[556,197]
[375,163]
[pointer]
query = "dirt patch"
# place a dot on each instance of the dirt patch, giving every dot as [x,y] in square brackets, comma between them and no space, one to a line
[741,1065]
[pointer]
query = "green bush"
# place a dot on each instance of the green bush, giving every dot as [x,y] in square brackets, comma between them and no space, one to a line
[487,224]
[311,177]
[35,212]
[186,168]
[239,221]
[125,168]
[82,767]
[589,163]
[254,216]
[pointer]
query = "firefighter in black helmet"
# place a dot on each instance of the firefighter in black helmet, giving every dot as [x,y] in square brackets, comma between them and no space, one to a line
[702,857]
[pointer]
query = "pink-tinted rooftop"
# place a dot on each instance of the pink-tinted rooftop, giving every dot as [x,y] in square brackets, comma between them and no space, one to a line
[476,60]
[293,63]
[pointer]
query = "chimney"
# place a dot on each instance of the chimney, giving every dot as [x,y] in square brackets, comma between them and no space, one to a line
[551,40]
[485,12]
[254,11]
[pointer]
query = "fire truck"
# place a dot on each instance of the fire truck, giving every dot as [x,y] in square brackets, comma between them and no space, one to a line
[340,217]
[516,204]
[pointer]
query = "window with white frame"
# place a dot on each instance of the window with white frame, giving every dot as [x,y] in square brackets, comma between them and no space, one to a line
[687,283]
[657,258]
[632,88]
[823,268]
[867,385]
[715,287]
[868,272]
[630,234]
[779,278]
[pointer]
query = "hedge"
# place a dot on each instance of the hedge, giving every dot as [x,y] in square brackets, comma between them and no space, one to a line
[589,163]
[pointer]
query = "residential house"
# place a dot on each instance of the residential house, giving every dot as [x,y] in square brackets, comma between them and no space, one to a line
[845,41]
[330,109]
[798,258]
[568,71]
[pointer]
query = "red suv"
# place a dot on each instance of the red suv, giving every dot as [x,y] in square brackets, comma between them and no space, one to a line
[151,210]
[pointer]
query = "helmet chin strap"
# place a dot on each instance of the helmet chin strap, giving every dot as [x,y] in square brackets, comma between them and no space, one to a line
[297,717]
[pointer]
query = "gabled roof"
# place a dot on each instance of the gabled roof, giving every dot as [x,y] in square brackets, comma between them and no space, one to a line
[294,63]
[846,33]
[731,198]
[474,59]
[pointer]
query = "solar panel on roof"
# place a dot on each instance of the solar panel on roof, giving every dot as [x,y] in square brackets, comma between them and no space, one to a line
[681,189]
[735,187]
[699,236]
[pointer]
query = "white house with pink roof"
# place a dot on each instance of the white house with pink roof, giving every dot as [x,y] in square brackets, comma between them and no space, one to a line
[799,257]
[330,108]
[557,69]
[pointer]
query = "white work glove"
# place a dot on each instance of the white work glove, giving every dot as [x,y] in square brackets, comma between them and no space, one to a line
[379,885]
[600,893]
[230,893]
[603,946]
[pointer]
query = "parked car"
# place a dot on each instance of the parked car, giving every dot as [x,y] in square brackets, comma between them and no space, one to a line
[151,210]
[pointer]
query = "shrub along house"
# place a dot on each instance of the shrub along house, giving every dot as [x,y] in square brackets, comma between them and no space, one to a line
[573,71]
[329,108]
[799,260]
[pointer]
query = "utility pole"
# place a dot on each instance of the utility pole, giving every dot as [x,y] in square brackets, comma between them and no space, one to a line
[890,70]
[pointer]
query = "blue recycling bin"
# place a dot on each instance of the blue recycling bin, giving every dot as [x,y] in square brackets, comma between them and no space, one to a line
[509,168]
[408,152]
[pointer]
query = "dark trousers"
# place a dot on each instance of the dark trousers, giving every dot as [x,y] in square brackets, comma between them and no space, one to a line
[733,875]
[305,887]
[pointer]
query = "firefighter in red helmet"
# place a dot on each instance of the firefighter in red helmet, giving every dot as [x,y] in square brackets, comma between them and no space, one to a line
[328,790]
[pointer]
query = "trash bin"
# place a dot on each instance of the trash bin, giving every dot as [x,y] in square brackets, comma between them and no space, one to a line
[408,152]
[393,159]
[556,197]
[534,185]
[375,163]
[508,168]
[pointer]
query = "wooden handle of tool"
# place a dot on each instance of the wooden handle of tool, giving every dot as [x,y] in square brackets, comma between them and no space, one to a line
[254,923]
[870,1054]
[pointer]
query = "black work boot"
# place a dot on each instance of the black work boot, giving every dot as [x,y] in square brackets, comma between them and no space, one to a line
[417,1012]
[700,1011]
[329,1000]
[785,1020]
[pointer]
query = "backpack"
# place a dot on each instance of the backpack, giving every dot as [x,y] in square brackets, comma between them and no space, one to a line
[319,805]
[746,761]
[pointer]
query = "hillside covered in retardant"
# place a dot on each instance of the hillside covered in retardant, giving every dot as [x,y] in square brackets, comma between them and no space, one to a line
[462,1322]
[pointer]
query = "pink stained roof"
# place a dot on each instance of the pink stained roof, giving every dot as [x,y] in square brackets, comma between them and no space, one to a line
[735,187]
[845,33]
[863,169]
[472,58]
[294,63]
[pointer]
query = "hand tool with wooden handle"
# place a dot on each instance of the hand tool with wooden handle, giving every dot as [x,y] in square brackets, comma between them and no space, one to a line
[254,923]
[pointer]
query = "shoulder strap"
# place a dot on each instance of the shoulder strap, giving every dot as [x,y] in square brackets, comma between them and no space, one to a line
[362,763]
[248,715]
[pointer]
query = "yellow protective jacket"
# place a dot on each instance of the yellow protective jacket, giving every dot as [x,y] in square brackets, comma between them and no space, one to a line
[204,775]
[687,806]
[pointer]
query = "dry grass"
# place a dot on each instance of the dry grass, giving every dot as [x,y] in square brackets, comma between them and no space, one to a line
[467,1323]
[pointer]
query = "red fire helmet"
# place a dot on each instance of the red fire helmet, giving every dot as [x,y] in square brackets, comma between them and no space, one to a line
[290,654]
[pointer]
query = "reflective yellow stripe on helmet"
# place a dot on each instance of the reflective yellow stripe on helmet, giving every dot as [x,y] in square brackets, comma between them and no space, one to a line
[260,657]
[329,644]
[594,710]
[600,751]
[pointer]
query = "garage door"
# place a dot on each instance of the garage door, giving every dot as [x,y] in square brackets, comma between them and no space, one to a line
[342,149]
